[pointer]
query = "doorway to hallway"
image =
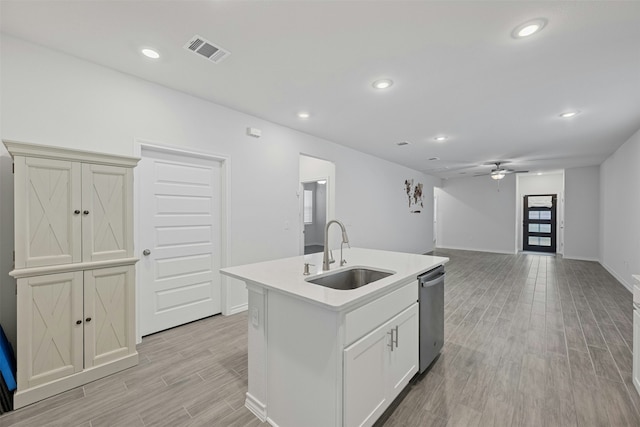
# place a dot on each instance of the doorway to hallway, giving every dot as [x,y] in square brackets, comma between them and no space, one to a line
[314,213]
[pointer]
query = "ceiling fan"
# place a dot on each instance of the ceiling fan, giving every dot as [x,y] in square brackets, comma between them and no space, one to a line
[499,172]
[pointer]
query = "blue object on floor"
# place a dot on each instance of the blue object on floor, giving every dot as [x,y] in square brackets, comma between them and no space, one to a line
[7,362]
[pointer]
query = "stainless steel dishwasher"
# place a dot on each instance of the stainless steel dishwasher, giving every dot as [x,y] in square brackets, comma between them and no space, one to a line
[431,300]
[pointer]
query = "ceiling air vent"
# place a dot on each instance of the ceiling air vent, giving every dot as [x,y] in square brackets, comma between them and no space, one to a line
[207,49]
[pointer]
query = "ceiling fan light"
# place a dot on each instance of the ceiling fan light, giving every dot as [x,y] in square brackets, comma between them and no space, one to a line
[497,175]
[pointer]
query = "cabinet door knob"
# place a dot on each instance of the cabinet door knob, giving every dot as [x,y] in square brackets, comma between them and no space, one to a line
[88,319]
[146,252]
[86,212]
[78,322]
[77,212]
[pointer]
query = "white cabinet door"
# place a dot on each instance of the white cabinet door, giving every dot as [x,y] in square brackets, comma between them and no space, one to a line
[108,315]
[107,215]
[47,198]
[365,373]
[378,367]
[636,349]
[404,357]
[50,328]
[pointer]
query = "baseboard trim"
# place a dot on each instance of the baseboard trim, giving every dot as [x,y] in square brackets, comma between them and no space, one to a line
[578,258]
[271,422]
[617,277]
[238,309]
[256,407]
[493,251]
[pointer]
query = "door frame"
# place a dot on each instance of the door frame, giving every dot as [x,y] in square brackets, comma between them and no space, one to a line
[301,205]
[554,224]
[225,174]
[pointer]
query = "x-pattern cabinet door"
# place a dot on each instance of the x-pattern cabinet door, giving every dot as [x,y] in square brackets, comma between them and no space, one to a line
[50,328]
[108,308]
[48,195]
[106,215]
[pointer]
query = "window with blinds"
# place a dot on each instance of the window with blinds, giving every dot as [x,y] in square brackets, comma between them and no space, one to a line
[307,202]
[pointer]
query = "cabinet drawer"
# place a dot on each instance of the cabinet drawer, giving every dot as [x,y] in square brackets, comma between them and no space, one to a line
[368,317]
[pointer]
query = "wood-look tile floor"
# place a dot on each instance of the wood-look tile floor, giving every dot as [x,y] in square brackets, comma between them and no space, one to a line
[530,340]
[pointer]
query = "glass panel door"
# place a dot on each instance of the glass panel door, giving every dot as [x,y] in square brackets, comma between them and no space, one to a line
[539,225]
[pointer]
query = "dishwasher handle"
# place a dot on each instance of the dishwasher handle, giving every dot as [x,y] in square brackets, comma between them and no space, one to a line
[438,279]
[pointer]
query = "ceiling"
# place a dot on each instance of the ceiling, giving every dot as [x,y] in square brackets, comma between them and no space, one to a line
[456,70]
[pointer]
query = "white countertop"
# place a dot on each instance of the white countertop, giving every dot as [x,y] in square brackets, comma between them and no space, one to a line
[285,275]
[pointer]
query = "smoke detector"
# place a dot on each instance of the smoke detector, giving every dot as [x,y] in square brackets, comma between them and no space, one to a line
[207,49]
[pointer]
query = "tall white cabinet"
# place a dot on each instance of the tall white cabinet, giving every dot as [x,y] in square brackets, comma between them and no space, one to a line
[74,267]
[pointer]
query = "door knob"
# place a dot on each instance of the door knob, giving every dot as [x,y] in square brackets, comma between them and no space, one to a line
[78,322]
[146,252]
[77,212]
[86,212]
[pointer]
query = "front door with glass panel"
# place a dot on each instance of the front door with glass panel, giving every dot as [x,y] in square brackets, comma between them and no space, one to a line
[539,223]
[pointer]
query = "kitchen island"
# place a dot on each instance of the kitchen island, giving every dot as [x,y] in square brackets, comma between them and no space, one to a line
[327,357]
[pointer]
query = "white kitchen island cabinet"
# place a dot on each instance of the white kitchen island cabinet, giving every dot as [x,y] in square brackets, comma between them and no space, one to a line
[325,357]
[74,267]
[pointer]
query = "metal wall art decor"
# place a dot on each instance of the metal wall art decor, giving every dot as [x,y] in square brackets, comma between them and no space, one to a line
[414,195]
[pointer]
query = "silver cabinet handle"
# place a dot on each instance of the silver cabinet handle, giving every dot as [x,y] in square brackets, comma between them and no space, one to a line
[396,336]
[391,344]
[146,252]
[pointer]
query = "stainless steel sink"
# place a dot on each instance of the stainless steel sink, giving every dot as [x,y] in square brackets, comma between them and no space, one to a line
[350,279]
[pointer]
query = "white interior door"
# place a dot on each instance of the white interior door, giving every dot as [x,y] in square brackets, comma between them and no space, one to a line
[179,223]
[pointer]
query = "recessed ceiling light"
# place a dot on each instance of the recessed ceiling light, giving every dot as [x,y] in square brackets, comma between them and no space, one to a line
[303,115]
[383,84]
[441,138]
[528,28]
[569,114]
[539,173]
[150,53]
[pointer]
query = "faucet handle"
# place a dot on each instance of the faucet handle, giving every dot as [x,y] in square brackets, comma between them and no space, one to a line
[306,268]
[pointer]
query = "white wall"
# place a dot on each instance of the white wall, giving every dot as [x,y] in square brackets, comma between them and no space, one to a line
[474,215]
[582,206]
[620,211]
[55,99]
[541,184]
[320,212]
